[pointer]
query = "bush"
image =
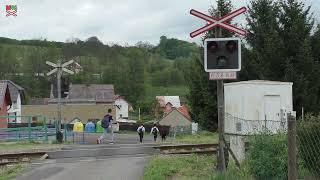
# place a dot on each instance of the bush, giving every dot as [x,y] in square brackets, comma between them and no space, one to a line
[308,137]
[268,156]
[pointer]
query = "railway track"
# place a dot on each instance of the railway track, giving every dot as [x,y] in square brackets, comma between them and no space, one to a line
[14,158]
[188,149]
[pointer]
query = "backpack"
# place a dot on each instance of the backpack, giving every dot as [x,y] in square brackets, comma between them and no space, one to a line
[154,131]
[140,131]
[105,121]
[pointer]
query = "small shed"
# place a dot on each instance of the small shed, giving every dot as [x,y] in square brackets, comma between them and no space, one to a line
[253,106]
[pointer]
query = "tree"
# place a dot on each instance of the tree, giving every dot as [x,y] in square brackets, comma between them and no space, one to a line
[296,25]
[202,96]
[264,39]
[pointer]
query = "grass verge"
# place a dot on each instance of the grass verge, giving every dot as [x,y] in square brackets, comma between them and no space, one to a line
[200,138]
[11,172]
[180,167]
[189,167]
[12,147]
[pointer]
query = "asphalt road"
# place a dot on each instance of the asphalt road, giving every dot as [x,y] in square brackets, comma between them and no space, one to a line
[121,167]
[122,160]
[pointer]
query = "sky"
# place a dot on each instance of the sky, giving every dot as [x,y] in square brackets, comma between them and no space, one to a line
[123,22]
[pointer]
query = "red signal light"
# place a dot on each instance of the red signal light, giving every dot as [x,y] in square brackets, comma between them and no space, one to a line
[212,46]
[231,46]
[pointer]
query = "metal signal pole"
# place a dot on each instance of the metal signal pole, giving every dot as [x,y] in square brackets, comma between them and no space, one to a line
[59,74]
[59,68]
[220,98]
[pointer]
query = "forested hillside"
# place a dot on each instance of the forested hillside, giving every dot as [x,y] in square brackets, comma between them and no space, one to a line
[138,72]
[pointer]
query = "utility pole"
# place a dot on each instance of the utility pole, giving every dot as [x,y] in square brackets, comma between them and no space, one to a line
[292,147]
[59,68]
[220,98]
[139,114]
[59,74]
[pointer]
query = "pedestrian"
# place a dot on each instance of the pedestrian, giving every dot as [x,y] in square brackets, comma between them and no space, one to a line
[141,131]
[164,132]
[106,124]
[154,131]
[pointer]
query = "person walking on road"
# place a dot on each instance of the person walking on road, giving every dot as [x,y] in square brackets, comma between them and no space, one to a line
[141,131]
[106,124]
[154,131]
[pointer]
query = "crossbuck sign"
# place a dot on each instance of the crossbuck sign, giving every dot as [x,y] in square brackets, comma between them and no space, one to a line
[215,22]
[59,68]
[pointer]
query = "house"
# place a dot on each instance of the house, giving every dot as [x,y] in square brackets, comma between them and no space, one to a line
[177,117]
[5,101]
[17,98]
[84,101]
[165,104]
[122,108]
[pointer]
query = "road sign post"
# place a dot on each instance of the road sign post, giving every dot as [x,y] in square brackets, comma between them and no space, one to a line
[59,68]
[220,74]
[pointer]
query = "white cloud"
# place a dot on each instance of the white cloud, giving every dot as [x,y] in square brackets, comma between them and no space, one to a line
[111,21]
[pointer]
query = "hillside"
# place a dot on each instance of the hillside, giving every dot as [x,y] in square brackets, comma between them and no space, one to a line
[138,72]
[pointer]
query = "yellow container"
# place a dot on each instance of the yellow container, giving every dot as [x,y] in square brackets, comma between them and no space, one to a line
[78,127]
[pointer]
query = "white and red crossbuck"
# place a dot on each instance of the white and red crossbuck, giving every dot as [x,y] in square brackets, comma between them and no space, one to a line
[218,22]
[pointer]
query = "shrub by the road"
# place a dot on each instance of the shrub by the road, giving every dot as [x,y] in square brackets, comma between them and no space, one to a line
[308,143]
[267,157]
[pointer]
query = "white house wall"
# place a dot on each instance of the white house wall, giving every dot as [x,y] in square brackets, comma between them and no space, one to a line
[15,110]
[124,108]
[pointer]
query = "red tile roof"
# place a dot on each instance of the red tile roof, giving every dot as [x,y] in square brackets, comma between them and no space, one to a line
[182,110]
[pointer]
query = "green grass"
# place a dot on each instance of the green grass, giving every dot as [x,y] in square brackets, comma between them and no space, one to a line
[200,138]
[191,167]
[11,172]
[153,91]
[25,146]
[182,167]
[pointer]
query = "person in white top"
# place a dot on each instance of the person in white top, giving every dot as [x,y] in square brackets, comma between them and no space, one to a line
[154,131]
[141,131]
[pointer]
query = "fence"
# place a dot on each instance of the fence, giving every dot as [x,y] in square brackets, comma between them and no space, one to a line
[301,142]
[22,128]
[308,145]
[184,130]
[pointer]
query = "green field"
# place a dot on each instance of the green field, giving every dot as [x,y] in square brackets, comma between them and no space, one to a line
[153,91]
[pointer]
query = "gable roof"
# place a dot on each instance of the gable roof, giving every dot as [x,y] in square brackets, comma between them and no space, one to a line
[163,100]
[88,93]
[183,110]
[101,93]
[15,90]
[3,90]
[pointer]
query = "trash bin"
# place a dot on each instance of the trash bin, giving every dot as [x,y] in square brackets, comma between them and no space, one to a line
[99,129]
[78,127]
[90,127]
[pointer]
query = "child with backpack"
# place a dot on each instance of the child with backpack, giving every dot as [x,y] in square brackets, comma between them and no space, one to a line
[141,131]
[106,124]
[154,131]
